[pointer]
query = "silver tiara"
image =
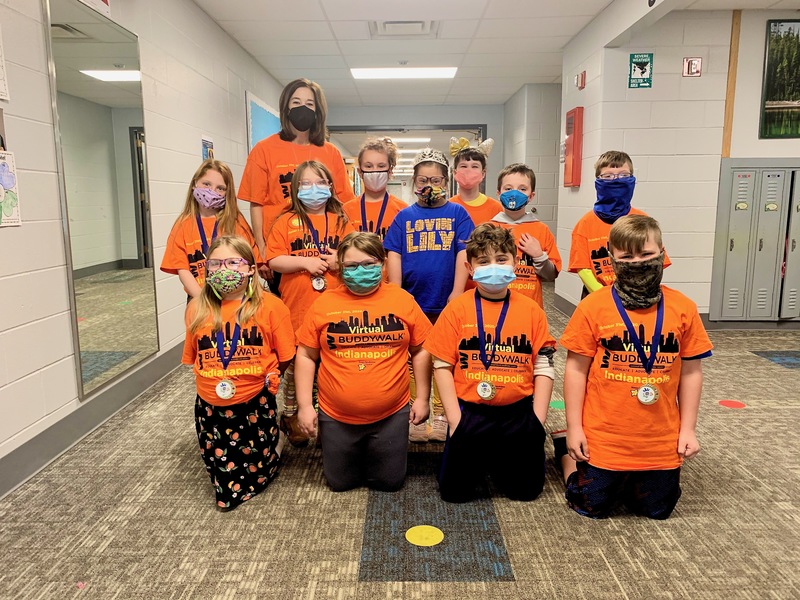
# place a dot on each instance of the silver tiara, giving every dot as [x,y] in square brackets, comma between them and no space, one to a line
[431,155]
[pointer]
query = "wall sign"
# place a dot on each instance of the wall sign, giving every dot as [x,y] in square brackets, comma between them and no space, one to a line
[9,194]
[640,73]
[692,67]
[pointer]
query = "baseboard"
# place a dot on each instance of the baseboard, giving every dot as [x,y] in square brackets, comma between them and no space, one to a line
[24,462]
[114,265]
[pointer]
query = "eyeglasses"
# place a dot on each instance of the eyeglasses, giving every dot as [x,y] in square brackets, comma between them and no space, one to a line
[431,180]
[352,266]
[306,185]
[212,264]
[612,176]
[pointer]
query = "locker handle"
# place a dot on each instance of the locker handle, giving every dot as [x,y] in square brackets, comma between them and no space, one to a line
[794,244]
[731,247]
[760,244]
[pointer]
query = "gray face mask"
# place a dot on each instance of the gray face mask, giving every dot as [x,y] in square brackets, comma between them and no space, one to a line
[638,283]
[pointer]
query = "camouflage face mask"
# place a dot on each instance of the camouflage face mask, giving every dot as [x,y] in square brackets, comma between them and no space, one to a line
[638,283]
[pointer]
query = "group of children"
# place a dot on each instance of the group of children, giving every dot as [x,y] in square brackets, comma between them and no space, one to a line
[474,267]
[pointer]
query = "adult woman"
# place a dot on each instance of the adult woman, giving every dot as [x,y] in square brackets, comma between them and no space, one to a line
[361,334]
[267,176]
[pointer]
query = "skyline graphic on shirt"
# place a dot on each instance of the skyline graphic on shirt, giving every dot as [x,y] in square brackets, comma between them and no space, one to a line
[518,344]
[385,323]
[308,242]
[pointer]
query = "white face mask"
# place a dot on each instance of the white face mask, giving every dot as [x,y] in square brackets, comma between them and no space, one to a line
[375,181]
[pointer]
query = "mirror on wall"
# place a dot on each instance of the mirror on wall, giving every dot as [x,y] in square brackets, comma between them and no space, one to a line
[103,166]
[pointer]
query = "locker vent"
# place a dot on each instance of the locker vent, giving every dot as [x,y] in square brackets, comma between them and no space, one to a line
[772,189]
[733,299]
[791,300]
[761,299]
[741,192]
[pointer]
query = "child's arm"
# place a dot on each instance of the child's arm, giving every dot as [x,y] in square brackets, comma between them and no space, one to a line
[421,365]
[257,223]
[305,365]
[689,388]
[545,268]
[589,280]
[394,268]
[460,280]
[189,282]
[443,375]
[576,373]
[543,376]
[293,264]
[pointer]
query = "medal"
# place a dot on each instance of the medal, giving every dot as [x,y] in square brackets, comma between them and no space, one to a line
[486,390]
[319,283]
[226,389]
[647,394]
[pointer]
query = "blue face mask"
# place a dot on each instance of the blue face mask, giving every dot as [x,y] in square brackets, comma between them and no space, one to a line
[513,199]
[314,197]
[363,279]
[494,278]
[613,198]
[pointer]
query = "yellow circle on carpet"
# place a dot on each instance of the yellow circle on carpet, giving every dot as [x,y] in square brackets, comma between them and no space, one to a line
[424,535]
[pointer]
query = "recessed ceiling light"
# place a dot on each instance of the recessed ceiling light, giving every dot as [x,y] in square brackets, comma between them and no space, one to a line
[114,75]
[405,73]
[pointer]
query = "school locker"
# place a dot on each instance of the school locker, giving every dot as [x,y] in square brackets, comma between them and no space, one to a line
[790,297]
[767,246]
[738,250]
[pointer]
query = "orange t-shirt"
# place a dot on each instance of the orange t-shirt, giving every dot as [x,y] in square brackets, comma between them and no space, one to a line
[363,342]
[482,213]
[373,209]
[265,341]
[454,339]
[185,249]
[527,282]
[267,176]
[290,237]
[624,434]
[589,249]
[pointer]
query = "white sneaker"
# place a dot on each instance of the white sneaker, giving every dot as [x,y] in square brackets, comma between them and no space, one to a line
[418,433]
[438,429]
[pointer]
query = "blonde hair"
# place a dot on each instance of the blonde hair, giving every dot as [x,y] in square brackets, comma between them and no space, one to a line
[383,145]
[228,215]
[332,206]
[614,159]
[368,243]
[208,306]
[630,233]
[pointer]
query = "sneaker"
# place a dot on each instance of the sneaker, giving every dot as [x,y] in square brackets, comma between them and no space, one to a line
[418,433]
[290,426]
[559,447]
[438,429]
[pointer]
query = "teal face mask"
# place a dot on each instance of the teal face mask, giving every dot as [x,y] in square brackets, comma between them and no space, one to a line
[362,278]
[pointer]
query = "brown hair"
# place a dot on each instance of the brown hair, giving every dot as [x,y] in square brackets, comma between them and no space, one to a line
[490,237]
[614,159]
[384,146]
[318,132]
[519,168]
[228,216]
[470,153]
[209,306]
[630,233]
[332,206]
[366,242]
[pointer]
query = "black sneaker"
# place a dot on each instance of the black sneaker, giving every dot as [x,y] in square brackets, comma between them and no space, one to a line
[559,448]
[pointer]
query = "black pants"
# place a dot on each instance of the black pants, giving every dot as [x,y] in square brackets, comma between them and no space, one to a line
[505,442]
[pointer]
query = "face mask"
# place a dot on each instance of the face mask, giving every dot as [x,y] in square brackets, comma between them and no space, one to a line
[513,199]
[363,278]
[468,178]
[431,195]
[224,281]
[314,197]
[208,198]
[494,278]
[302,118]
[613,198]
[375,181]
[638,283]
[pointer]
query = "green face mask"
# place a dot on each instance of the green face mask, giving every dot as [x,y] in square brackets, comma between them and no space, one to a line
[362,279]
[224,281]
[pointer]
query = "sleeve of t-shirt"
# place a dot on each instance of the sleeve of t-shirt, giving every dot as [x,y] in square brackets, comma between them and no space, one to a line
[189,349]
[342,186]
[464,227]
[282,332]
[694,341]
[175,257]
[579,335]
[579,251]
[419,325]
[551,248]
[443,339]
[278,240]
[394,235]
[255,178]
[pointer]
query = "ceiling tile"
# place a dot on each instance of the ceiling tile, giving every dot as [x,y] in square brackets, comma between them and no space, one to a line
[458,29]
[535,9]
[521,46]
[510,29]
[312,61]
[317,75]
[521,72]
[521,59]
[267,46]
[420,60]
[408,10]
[350,30]
[403,48]
[296,10]
[288,30]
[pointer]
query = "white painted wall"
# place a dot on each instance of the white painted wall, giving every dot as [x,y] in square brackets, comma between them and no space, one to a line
[194,79]
[123,119]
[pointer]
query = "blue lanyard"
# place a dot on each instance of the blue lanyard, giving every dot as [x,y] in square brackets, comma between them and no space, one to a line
[487,362]
[203,239]
[647,363]
[380,215]
[237,330]
[315,235]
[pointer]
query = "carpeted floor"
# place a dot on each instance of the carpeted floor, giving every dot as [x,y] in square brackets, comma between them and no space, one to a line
[128,513]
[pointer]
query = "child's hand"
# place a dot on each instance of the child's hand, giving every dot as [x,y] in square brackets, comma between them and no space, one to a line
[577,446]
[688,445]
[530,245]
[331,261]
[307,420]
[420,409]
[316,265]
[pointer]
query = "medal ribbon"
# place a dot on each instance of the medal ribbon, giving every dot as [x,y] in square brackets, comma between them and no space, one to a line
[487,362]
[647,362]
[380,215]
[315,235]
[237,330]
[203,240]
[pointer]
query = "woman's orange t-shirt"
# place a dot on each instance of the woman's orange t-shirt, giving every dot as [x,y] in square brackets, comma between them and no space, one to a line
[373,209]
[482,213]
[624,434]
[527,282]
[184,249]
[364,343]
[290,237]
[265,341]
[454,339]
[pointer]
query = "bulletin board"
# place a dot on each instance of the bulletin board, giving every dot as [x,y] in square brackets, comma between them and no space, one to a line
[262,120]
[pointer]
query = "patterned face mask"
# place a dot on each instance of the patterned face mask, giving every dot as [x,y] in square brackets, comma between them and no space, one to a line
[208,198]
[430,195]
[224,281]
[638,283]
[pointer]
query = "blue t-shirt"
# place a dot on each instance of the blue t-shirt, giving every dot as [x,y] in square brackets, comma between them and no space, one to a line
[428,240]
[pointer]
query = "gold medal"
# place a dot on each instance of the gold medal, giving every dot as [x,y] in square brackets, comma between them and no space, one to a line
[319,283]
[226,389]
[486,390]
[647,394]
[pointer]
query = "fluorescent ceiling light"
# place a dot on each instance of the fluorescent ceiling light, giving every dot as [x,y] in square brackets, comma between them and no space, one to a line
[411,140]
[405,73]
[114,75]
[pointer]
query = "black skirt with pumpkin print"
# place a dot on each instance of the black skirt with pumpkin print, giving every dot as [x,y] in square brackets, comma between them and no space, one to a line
[238,445]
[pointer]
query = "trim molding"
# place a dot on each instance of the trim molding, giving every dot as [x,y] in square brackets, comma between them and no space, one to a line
[730,94]
[34,455]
